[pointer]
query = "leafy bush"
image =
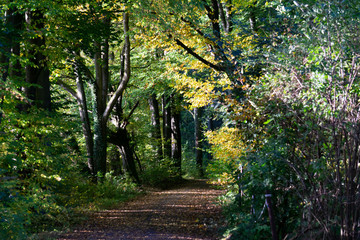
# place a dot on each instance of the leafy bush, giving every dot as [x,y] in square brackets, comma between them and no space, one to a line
[161,174]
[13,211]
[244,204]
[42,187]
[188,163]
[114,189]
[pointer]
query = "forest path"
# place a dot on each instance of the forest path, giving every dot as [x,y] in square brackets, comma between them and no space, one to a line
[187,211]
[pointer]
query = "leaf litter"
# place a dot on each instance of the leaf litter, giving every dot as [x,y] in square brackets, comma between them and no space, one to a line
[187,211]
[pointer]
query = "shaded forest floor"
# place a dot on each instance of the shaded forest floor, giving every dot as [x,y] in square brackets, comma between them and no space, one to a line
[187,211]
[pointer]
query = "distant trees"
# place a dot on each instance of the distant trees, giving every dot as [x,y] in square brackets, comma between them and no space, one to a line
[34,77]
[37,70]
[167,138]
[155,122]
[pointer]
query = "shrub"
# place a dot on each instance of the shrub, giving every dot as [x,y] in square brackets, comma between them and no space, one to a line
[161,174]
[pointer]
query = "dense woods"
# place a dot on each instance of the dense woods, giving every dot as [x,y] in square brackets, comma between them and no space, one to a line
[101,97]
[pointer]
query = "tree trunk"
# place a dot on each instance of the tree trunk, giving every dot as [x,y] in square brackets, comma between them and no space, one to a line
[6,45]
[166,109]
[37,72]
[122,141]
[11,67]
[198,140]
[85,120]
[155,122]
[115,163]
[100,144]
[101,62]
[16,71]
[176,137]
[99,91]
[14,24]
[252,17]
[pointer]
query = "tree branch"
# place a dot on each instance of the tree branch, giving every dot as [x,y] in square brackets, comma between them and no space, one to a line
[195,28]
[127,71]
[212,45]
[68,88]
[79,62]
[126,120]
[198,57]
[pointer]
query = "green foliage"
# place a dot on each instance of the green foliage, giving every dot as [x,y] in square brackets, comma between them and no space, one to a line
[113,190]
[14,211]
[160,174]
[41,186]
[266,169]
[33,158]
[59,205]
[244,226]
[188,163]
[297,125]
[312,108]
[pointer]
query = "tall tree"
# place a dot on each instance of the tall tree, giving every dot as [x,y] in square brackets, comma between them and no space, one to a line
[155,122]
[176,132]
[166,116]
[9,56]
[97,47]
[199,137]
[80,96]
[37,71]
[121,139]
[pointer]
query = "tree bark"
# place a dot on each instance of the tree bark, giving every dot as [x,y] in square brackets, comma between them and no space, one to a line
[126,72]
[14,22]
[271,216]
[115,162]
[37,72]
[85,120]
[100,144]
[11,46]
[226,15]
[198,140]
[17,19]
[122,141]
[100,97]
[155,122]
[166,109]
[176,136]
[6,46]
[252,17]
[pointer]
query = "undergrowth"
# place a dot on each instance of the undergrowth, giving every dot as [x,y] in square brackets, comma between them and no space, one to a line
[160,174]
[56,206]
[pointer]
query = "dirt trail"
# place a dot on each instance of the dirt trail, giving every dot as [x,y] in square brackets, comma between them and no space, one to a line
[185,212]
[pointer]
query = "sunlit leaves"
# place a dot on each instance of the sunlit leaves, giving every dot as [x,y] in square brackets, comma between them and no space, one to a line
[200,91]
[227,149]
[227,143]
